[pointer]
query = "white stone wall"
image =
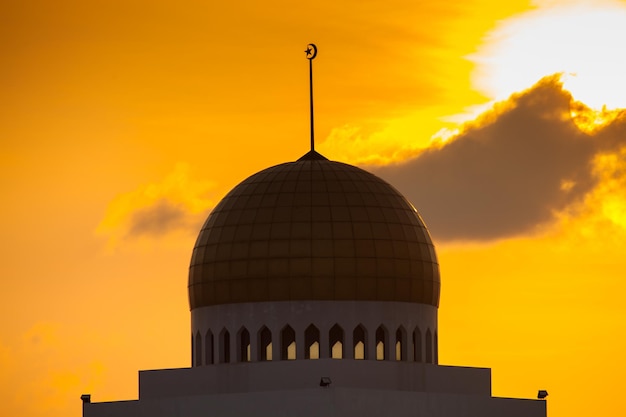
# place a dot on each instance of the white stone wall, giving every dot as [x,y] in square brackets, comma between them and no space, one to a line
[323,402]
[302,375]
[299,315]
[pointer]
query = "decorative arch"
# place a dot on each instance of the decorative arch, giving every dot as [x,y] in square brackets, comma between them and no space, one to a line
[400,345]
[436,348]
[359,343]
[417,345]
[382,345]
[429,347]
[311,342]
[265,344]
[224,346]
[208,348]
[243,345]
[287,343]
[198,358]
[335,342]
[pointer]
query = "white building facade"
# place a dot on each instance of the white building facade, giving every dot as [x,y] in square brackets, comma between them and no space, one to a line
[314,290]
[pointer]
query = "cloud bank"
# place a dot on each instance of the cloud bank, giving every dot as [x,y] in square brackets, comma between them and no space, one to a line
[511,170]
[525,163]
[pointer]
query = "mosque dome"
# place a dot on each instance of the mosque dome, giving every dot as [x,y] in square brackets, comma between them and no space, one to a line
[313,229]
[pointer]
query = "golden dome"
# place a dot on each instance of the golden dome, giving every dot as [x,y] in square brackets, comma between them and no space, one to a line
[313,229]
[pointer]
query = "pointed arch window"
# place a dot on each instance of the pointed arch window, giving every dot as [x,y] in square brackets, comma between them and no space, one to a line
[381,343]
[243,345]
[429,347]
[401,351]
[224,346]
[417,345]
[265,344]
[208,348]
[198,349]
[335,342]
[311,342]
[359,342]
[287,343]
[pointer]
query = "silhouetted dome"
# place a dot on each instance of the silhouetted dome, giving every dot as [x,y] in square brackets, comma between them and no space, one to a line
[313,229]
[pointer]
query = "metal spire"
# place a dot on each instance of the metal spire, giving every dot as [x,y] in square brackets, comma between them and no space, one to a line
[311,53]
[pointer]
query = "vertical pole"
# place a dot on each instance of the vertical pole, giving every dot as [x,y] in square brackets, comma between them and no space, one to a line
[311,53]
[311,104]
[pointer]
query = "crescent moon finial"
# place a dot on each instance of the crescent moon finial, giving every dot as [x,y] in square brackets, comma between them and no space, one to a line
[311,51]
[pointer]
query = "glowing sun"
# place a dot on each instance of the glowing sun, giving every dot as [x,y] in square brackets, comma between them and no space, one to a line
[584,41]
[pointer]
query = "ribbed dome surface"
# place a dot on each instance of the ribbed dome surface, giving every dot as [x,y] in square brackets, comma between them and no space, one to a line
[313,229]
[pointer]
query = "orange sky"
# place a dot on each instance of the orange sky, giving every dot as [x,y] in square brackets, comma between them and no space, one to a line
[123,123]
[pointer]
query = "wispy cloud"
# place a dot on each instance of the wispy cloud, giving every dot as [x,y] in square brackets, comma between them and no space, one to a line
[177,203]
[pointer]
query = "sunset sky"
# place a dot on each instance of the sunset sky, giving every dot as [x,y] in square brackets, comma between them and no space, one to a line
[123,123]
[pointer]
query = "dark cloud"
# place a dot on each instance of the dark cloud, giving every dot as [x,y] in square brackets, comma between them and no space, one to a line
[162,217]
[509,171]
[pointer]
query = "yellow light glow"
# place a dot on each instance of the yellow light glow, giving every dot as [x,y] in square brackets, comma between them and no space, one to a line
[583,41]
[609,195]
[589,120]
[133,119]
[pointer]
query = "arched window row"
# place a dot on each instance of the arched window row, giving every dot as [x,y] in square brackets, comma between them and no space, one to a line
[399,345]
